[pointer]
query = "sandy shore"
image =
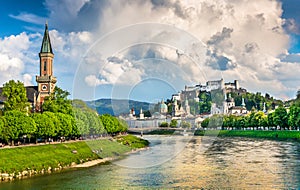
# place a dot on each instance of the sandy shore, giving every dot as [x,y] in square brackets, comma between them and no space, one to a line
[103,160]
[93,162]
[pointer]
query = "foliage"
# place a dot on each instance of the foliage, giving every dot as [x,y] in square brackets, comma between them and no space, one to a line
[294,116]
[205,122]
[112,125]
[147,113]
[17,124]
[58,102]
[45,125]
[173,123]
[16,98]
[164,124]
[185,124]
[66,122]
[2,125]
[217,96]
[81,121]
[162,132]
[204,102]
[257,120]
[215,121]
[280,117]
[132,141]
[256,100]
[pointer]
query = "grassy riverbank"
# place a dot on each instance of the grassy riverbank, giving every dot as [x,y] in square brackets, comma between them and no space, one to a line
[30,160]
[280,135]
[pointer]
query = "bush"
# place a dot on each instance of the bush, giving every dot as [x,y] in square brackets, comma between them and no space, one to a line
[164,124]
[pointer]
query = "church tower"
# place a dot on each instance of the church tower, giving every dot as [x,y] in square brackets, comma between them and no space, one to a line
[46,81]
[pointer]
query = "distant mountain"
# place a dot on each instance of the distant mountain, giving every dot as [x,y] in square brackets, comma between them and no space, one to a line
[118,106]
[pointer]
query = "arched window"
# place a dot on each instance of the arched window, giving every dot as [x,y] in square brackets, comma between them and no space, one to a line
[45,66]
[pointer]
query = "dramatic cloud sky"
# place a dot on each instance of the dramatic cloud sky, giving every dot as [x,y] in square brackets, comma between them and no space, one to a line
[147,50]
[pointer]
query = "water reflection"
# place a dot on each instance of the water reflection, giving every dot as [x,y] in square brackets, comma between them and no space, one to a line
[227,163]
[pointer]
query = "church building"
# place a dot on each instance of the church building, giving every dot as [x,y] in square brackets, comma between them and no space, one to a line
[45,80]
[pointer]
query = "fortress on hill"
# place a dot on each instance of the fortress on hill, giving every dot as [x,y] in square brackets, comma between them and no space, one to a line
[180,107]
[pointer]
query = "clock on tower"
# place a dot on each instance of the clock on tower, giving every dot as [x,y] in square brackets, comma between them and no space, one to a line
[46,81]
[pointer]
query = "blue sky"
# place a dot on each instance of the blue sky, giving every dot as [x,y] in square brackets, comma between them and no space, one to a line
[148,50]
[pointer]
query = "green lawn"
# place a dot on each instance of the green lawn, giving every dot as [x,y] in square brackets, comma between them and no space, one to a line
[255,134]
[133,141]
[52,155]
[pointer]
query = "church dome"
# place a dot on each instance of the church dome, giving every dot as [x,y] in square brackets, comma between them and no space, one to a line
[163,106]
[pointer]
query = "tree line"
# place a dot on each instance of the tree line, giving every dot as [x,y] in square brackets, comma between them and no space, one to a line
[60,118]
[280,119]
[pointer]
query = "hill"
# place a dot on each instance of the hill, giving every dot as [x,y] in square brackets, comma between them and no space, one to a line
[118,106]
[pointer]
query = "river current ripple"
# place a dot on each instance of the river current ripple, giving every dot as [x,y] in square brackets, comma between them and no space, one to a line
[178,162]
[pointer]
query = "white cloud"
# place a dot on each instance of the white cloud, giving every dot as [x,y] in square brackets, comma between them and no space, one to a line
[243,39]
[28,17]
[239,34]
[92,80]
[12,52]
[27,78]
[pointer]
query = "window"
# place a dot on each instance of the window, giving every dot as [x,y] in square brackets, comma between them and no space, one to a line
[45,66]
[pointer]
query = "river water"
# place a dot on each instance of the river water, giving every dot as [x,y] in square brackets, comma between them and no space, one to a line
[178,162]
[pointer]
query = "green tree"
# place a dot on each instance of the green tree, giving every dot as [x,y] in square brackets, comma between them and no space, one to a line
[86,119]
[205,123]
[164,124]
[110,123]
[240,122]
[270,119]
[94,123]
[294,116]
[215,121]
[259,118]
[2,125]
[81,121]
[218,96]
[17,125]
[204,102]
[65,124]
[28,127]
[229,121]
[250,122]
[173,123]
[15,94]
[123,126]
[58,102]
[45,125]
[185,124]
[280,117]
[56,123]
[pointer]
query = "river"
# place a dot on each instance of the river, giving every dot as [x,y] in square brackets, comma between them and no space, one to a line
[186,163]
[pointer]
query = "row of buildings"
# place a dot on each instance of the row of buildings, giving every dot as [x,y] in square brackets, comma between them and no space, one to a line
[181,108]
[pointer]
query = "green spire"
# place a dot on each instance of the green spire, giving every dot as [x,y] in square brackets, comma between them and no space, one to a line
[46,45]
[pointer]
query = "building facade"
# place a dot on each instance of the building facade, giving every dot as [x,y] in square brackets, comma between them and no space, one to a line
[45,81]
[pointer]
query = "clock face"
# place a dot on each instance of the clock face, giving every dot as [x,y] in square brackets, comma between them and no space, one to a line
[44,87]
